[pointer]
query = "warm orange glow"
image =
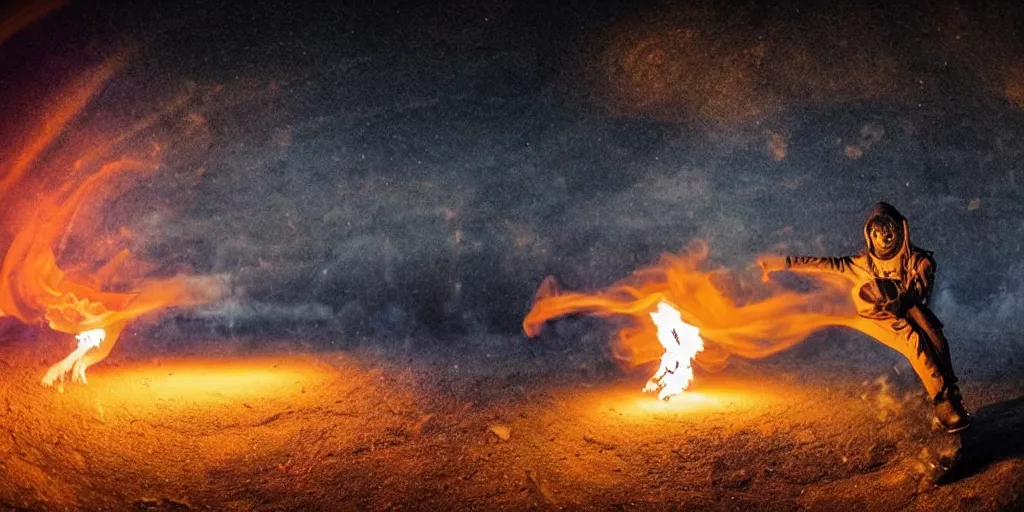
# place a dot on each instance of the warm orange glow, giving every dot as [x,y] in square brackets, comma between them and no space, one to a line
[62,267]
[691,402]
[755,328]
[34,288]
[190,382]
[737,395]
[29,12]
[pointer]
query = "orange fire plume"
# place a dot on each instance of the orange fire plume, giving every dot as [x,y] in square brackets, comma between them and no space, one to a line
[754,328]
[24,15]
[61,267]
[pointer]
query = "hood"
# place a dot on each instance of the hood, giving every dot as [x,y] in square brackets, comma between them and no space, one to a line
[886,211]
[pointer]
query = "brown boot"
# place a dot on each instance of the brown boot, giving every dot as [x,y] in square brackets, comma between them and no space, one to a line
[949,409]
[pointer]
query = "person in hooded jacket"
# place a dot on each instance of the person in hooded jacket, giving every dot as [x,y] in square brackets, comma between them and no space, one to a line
[892,284]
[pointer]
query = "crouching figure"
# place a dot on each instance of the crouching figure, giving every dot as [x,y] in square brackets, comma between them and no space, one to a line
[893,282]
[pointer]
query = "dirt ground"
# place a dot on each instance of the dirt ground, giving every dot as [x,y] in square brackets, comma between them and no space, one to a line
[282,426]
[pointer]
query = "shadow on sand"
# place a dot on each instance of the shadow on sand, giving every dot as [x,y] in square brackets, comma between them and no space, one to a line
[993,436]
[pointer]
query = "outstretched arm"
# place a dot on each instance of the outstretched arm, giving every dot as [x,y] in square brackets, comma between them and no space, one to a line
[806,264]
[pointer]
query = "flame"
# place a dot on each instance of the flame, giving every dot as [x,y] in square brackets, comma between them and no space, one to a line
[682,341]
[74,362]
[62,267]
[755,328]
[29,13]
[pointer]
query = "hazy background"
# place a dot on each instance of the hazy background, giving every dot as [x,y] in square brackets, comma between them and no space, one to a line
[375,172]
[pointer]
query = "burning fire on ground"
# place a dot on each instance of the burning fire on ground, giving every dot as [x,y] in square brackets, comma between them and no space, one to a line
[64,265]
[682,341]
[681,310]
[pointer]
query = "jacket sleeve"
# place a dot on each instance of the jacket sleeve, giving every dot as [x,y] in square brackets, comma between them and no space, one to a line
[828,264]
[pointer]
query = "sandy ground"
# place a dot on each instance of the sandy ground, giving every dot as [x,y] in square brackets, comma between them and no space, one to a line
[266,428]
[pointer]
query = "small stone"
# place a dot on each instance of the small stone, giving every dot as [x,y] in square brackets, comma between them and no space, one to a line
[502,431]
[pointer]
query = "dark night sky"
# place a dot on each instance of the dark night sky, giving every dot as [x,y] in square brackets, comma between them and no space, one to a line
[419,168]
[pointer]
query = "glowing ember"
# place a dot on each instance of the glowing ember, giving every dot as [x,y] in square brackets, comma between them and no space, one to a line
[682,341]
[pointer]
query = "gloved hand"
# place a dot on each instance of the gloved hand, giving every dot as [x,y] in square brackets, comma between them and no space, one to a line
[885,296]
[770,263]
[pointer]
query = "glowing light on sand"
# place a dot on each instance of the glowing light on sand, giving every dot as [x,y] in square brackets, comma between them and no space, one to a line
[172,385]
[682,342]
